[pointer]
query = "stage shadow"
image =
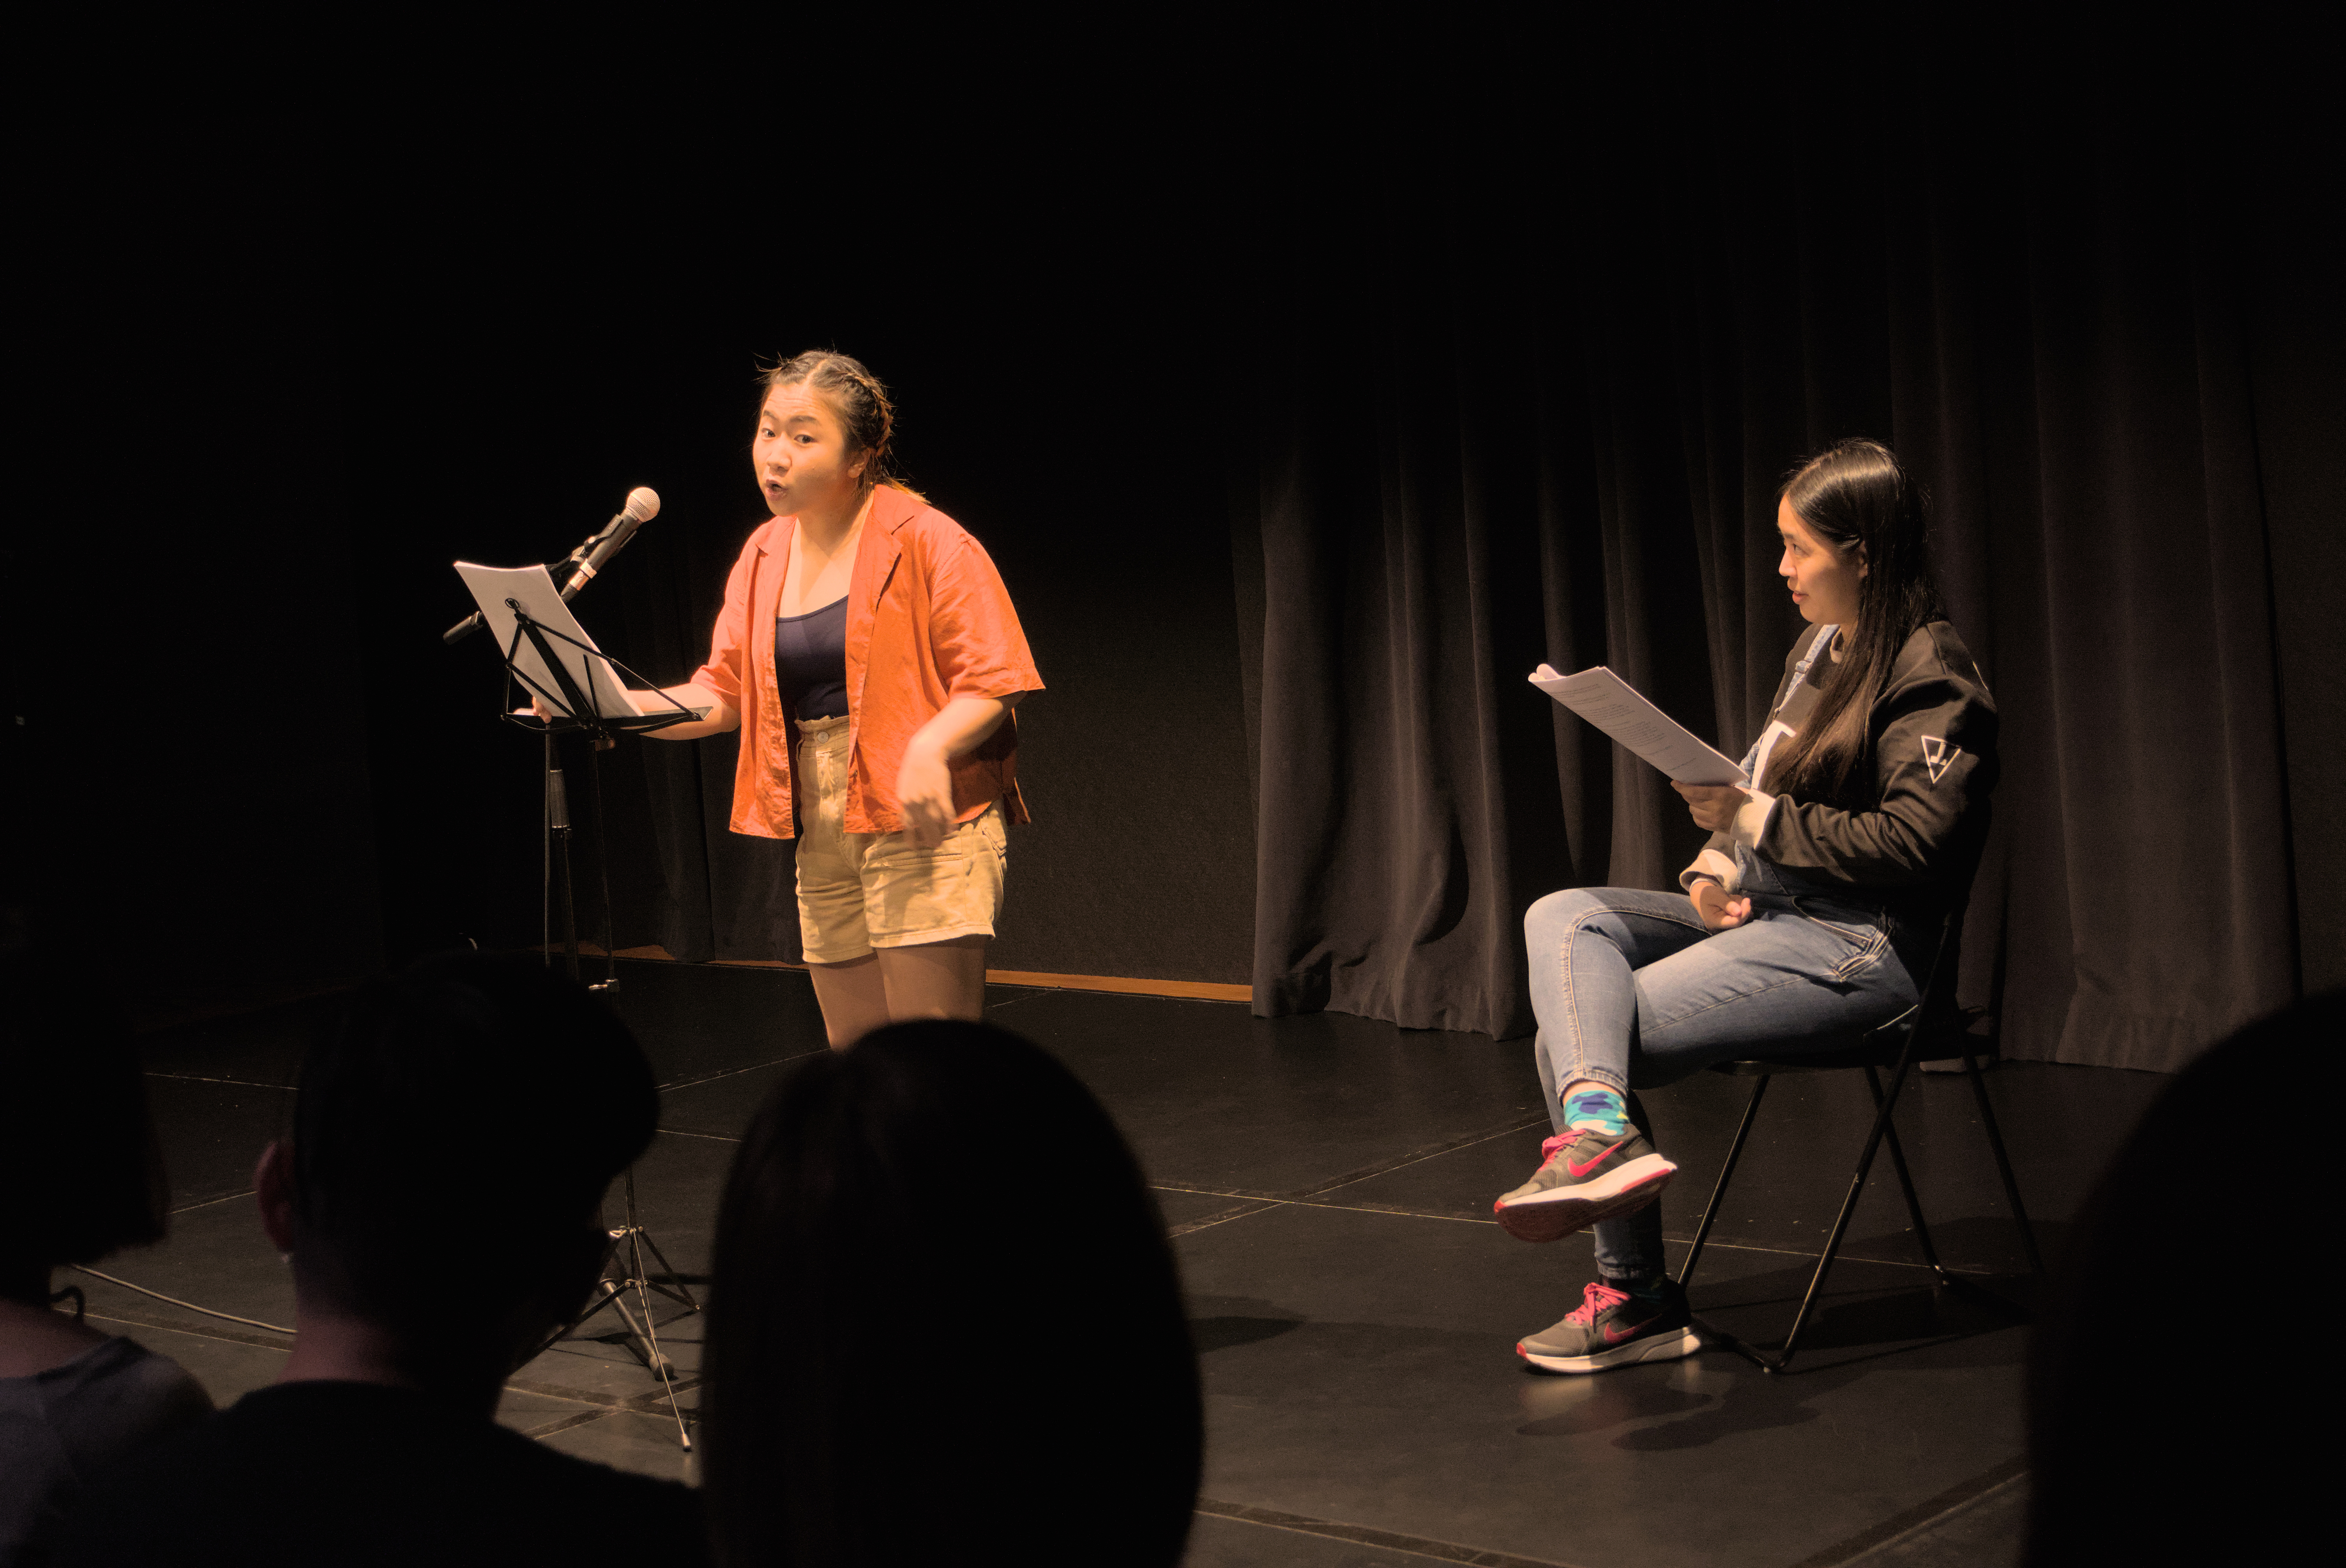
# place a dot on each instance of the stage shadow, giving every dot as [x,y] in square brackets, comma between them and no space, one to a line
[1975,1242]
[1859,1312]
[1239,1321]
[1596,1403]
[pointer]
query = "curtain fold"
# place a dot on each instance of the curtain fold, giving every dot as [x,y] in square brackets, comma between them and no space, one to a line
[727,895]
[1469,458]
[1403,794]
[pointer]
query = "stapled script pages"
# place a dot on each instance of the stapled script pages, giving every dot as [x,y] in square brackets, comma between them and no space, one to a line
[1613,705]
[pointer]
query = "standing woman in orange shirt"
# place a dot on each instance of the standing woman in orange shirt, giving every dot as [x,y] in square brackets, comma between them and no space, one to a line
[870,656]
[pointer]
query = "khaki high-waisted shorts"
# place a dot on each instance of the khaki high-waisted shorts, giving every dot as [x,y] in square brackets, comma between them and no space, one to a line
[858,892]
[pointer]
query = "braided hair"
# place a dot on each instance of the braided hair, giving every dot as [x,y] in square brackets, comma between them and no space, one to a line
[856,399]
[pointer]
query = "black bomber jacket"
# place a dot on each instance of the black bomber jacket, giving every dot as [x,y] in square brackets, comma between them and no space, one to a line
[1906,827]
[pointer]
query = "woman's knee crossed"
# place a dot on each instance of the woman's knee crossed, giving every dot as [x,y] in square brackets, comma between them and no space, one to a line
[1559,913]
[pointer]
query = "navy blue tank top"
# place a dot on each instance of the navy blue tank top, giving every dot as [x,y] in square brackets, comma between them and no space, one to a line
[810,661]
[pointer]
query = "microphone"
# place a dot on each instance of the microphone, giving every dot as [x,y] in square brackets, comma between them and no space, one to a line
[643,505]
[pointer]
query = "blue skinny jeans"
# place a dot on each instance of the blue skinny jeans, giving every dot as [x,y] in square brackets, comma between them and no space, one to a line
[1632,992]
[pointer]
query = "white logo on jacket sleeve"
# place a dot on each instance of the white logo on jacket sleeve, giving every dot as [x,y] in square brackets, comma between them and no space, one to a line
[1938,756]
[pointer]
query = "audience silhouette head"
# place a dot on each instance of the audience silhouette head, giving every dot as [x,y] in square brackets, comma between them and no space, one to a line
[78,1156]
[80,1164]
[2160,1402]
[945,1324]
[457,1127]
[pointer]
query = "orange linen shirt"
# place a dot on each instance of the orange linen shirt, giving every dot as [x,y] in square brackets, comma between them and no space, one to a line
[928,620]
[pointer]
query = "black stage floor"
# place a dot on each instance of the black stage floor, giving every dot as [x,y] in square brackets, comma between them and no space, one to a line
[1329,1183]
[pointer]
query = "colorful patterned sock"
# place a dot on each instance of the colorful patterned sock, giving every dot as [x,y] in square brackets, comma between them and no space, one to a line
[1599,1108]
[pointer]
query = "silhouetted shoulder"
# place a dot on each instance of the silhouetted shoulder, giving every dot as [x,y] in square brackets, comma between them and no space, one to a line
[360,1474]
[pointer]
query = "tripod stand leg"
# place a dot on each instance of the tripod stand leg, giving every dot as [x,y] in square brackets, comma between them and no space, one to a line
[664,1369]
[638,1328]
[624,1270]
[611,1290]
[678,1290]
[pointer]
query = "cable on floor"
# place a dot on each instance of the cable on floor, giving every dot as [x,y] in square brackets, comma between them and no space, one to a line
[175,1301]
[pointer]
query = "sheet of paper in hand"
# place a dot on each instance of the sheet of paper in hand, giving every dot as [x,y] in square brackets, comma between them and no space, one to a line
[1613,705]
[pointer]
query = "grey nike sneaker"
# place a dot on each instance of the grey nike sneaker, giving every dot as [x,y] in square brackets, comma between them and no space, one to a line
[1614,1329]
[1585,1175]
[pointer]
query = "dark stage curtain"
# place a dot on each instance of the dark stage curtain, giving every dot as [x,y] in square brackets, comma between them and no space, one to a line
[722,895]
[1558,436]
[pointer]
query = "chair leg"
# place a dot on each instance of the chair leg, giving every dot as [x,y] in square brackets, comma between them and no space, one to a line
[1783,1358]
[2003,1166]
[1905,1178]
[1719,1193]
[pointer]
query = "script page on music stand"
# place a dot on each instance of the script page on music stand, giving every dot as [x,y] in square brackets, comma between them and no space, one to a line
[533,589]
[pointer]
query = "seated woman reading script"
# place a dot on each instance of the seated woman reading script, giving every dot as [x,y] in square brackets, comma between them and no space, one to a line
[1809,918]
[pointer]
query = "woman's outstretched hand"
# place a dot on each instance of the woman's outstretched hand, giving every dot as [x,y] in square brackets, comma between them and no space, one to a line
[1719,910]
[1714,805]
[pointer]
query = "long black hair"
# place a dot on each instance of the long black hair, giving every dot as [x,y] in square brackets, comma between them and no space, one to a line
[1855,497]
[946,1323]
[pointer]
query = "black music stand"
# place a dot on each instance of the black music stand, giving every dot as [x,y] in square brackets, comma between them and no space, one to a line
[624,1267]
[574,711]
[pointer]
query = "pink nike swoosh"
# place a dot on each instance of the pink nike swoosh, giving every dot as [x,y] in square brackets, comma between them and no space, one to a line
[1615,1335]
[1577,1171]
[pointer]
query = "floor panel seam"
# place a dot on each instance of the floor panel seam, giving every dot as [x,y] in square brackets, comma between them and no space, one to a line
[201,1078]
[1289,1201]
[1524,1125]
[1269,1201]
[1899,1526]
[1369,1535]
[567,1423]
[1839,1257]
[225,1335]
[1191,1227]
[1014,1000]
[228,1198]
[1419,1156]
[1395,1213]
[1977,1499]
[737,1072]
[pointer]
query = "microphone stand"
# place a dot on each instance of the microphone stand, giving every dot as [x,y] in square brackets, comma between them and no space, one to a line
[575,711]
[624,1267]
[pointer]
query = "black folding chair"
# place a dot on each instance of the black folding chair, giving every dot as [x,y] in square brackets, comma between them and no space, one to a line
[1933,1029]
